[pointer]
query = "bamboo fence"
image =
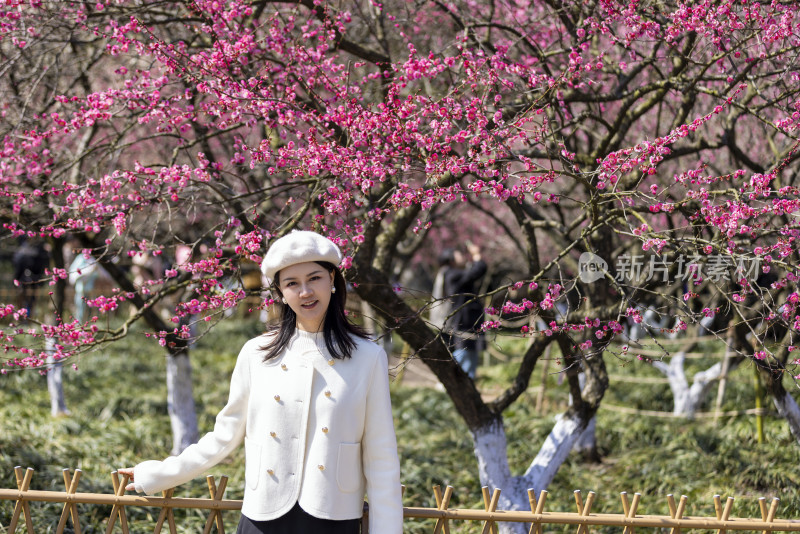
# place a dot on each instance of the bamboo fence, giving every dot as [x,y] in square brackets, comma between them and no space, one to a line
[537,517]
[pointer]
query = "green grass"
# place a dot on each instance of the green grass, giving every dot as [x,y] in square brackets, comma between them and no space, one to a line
[117,397]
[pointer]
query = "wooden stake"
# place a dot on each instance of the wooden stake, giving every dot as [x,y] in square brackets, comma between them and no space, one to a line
[23,483]
[726,513]
[70,508]
[769,517]
[490,505]
[166,514]
[119,509]
[216,494]
[679,512]
[442,502]
[536,528]
[584,509]
[631,510]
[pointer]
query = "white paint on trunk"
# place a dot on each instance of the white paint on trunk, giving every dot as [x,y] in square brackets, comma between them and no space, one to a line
[554,451]
[490,450]
[788,409]
[687,399]
[55,383]
[491,453]
[55,386]
[180,402]
[587,440]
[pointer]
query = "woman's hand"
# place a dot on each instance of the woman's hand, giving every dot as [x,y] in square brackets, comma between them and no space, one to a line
[128,471]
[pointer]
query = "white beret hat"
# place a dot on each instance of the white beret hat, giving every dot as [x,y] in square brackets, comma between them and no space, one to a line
[298,246]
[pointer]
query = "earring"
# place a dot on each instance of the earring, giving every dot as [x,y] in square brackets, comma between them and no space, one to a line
[333,290]
[283,299]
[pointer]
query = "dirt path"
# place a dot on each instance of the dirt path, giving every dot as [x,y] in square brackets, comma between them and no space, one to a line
[411,372]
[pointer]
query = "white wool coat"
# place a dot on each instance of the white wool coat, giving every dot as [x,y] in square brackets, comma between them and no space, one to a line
[317,431]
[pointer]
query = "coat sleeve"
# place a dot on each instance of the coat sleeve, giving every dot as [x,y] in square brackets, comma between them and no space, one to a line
[153,476]
[379,454]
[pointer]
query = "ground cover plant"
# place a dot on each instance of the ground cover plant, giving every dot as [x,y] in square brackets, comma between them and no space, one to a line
[119,417]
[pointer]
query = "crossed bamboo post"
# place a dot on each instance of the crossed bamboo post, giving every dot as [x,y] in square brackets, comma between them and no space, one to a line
[23,484]
[70,508]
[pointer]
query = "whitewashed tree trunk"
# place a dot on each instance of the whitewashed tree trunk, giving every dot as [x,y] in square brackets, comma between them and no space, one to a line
[586,444]
[490,450]
[788,409]
[55,386]
[688,399]
[180,402]
[55,383]
[554,452]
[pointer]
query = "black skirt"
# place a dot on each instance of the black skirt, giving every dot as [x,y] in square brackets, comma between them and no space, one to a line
[298,521]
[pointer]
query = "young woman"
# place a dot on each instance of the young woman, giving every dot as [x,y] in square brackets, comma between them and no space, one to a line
[310,399]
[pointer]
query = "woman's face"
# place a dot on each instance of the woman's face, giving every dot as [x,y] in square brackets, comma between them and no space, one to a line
[307,290]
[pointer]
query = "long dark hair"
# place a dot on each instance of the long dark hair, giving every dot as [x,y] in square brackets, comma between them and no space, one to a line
[337,330]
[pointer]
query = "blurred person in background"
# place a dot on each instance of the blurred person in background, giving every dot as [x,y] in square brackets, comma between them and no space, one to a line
[456,309]
[30,261]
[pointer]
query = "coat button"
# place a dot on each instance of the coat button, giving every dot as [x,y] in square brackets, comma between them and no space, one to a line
[331,362]
[321,467]
[283,366]
[328,393]
[324,429]
[273,434]
[270,472]
[277,398]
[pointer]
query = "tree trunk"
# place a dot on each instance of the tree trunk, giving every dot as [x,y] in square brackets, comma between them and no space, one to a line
[55,385]
[687,399]
[180,402]
[559,443]
[490,451]
[788,409]
[784,402]
[586,445]
[55,370]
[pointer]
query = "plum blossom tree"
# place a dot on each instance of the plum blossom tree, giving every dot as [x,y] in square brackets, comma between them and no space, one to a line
[634,155]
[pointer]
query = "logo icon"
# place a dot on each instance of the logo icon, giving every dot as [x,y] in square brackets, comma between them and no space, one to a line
[592,267]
